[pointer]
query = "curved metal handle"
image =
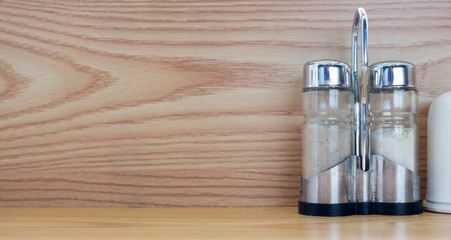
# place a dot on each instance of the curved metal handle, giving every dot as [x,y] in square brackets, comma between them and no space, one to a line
[361,136]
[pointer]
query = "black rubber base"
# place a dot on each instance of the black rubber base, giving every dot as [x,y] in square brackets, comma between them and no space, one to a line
[365,208]
[346,209]
[332,210]
[411,208]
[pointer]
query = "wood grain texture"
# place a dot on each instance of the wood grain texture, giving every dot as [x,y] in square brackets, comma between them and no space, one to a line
[182,103]
[211,223]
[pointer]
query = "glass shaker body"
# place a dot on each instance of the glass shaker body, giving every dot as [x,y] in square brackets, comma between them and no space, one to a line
[393,107]
[327,132]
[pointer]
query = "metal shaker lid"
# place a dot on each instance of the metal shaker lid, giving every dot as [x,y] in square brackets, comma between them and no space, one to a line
[392,74]
[326,73]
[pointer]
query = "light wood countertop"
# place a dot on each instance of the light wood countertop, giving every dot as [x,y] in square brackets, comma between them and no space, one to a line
[212,223]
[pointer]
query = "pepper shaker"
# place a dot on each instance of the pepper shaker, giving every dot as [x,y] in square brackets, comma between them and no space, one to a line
[327,134]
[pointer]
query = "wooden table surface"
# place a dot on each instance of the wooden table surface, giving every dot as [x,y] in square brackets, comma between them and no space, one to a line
[212,223]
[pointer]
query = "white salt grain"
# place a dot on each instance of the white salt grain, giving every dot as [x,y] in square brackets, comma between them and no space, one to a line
[395,144]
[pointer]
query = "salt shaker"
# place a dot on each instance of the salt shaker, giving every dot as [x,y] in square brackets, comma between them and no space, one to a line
[438,196]
[393,105]
[327,136]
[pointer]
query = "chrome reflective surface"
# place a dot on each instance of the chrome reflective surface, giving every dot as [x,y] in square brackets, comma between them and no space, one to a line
[393,182]
[392,74]
[331,186]
[385,181]
[326,73]
[362,138]
[364,183]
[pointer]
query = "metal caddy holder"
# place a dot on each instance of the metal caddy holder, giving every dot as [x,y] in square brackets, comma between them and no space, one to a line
[363,183]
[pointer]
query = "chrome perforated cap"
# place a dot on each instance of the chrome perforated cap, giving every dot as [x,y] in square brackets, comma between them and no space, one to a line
[392,74]
[326,73]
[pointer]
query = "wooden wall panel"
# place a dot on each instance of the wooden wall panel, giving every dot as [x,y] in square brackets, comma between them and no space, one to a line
[182,103]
